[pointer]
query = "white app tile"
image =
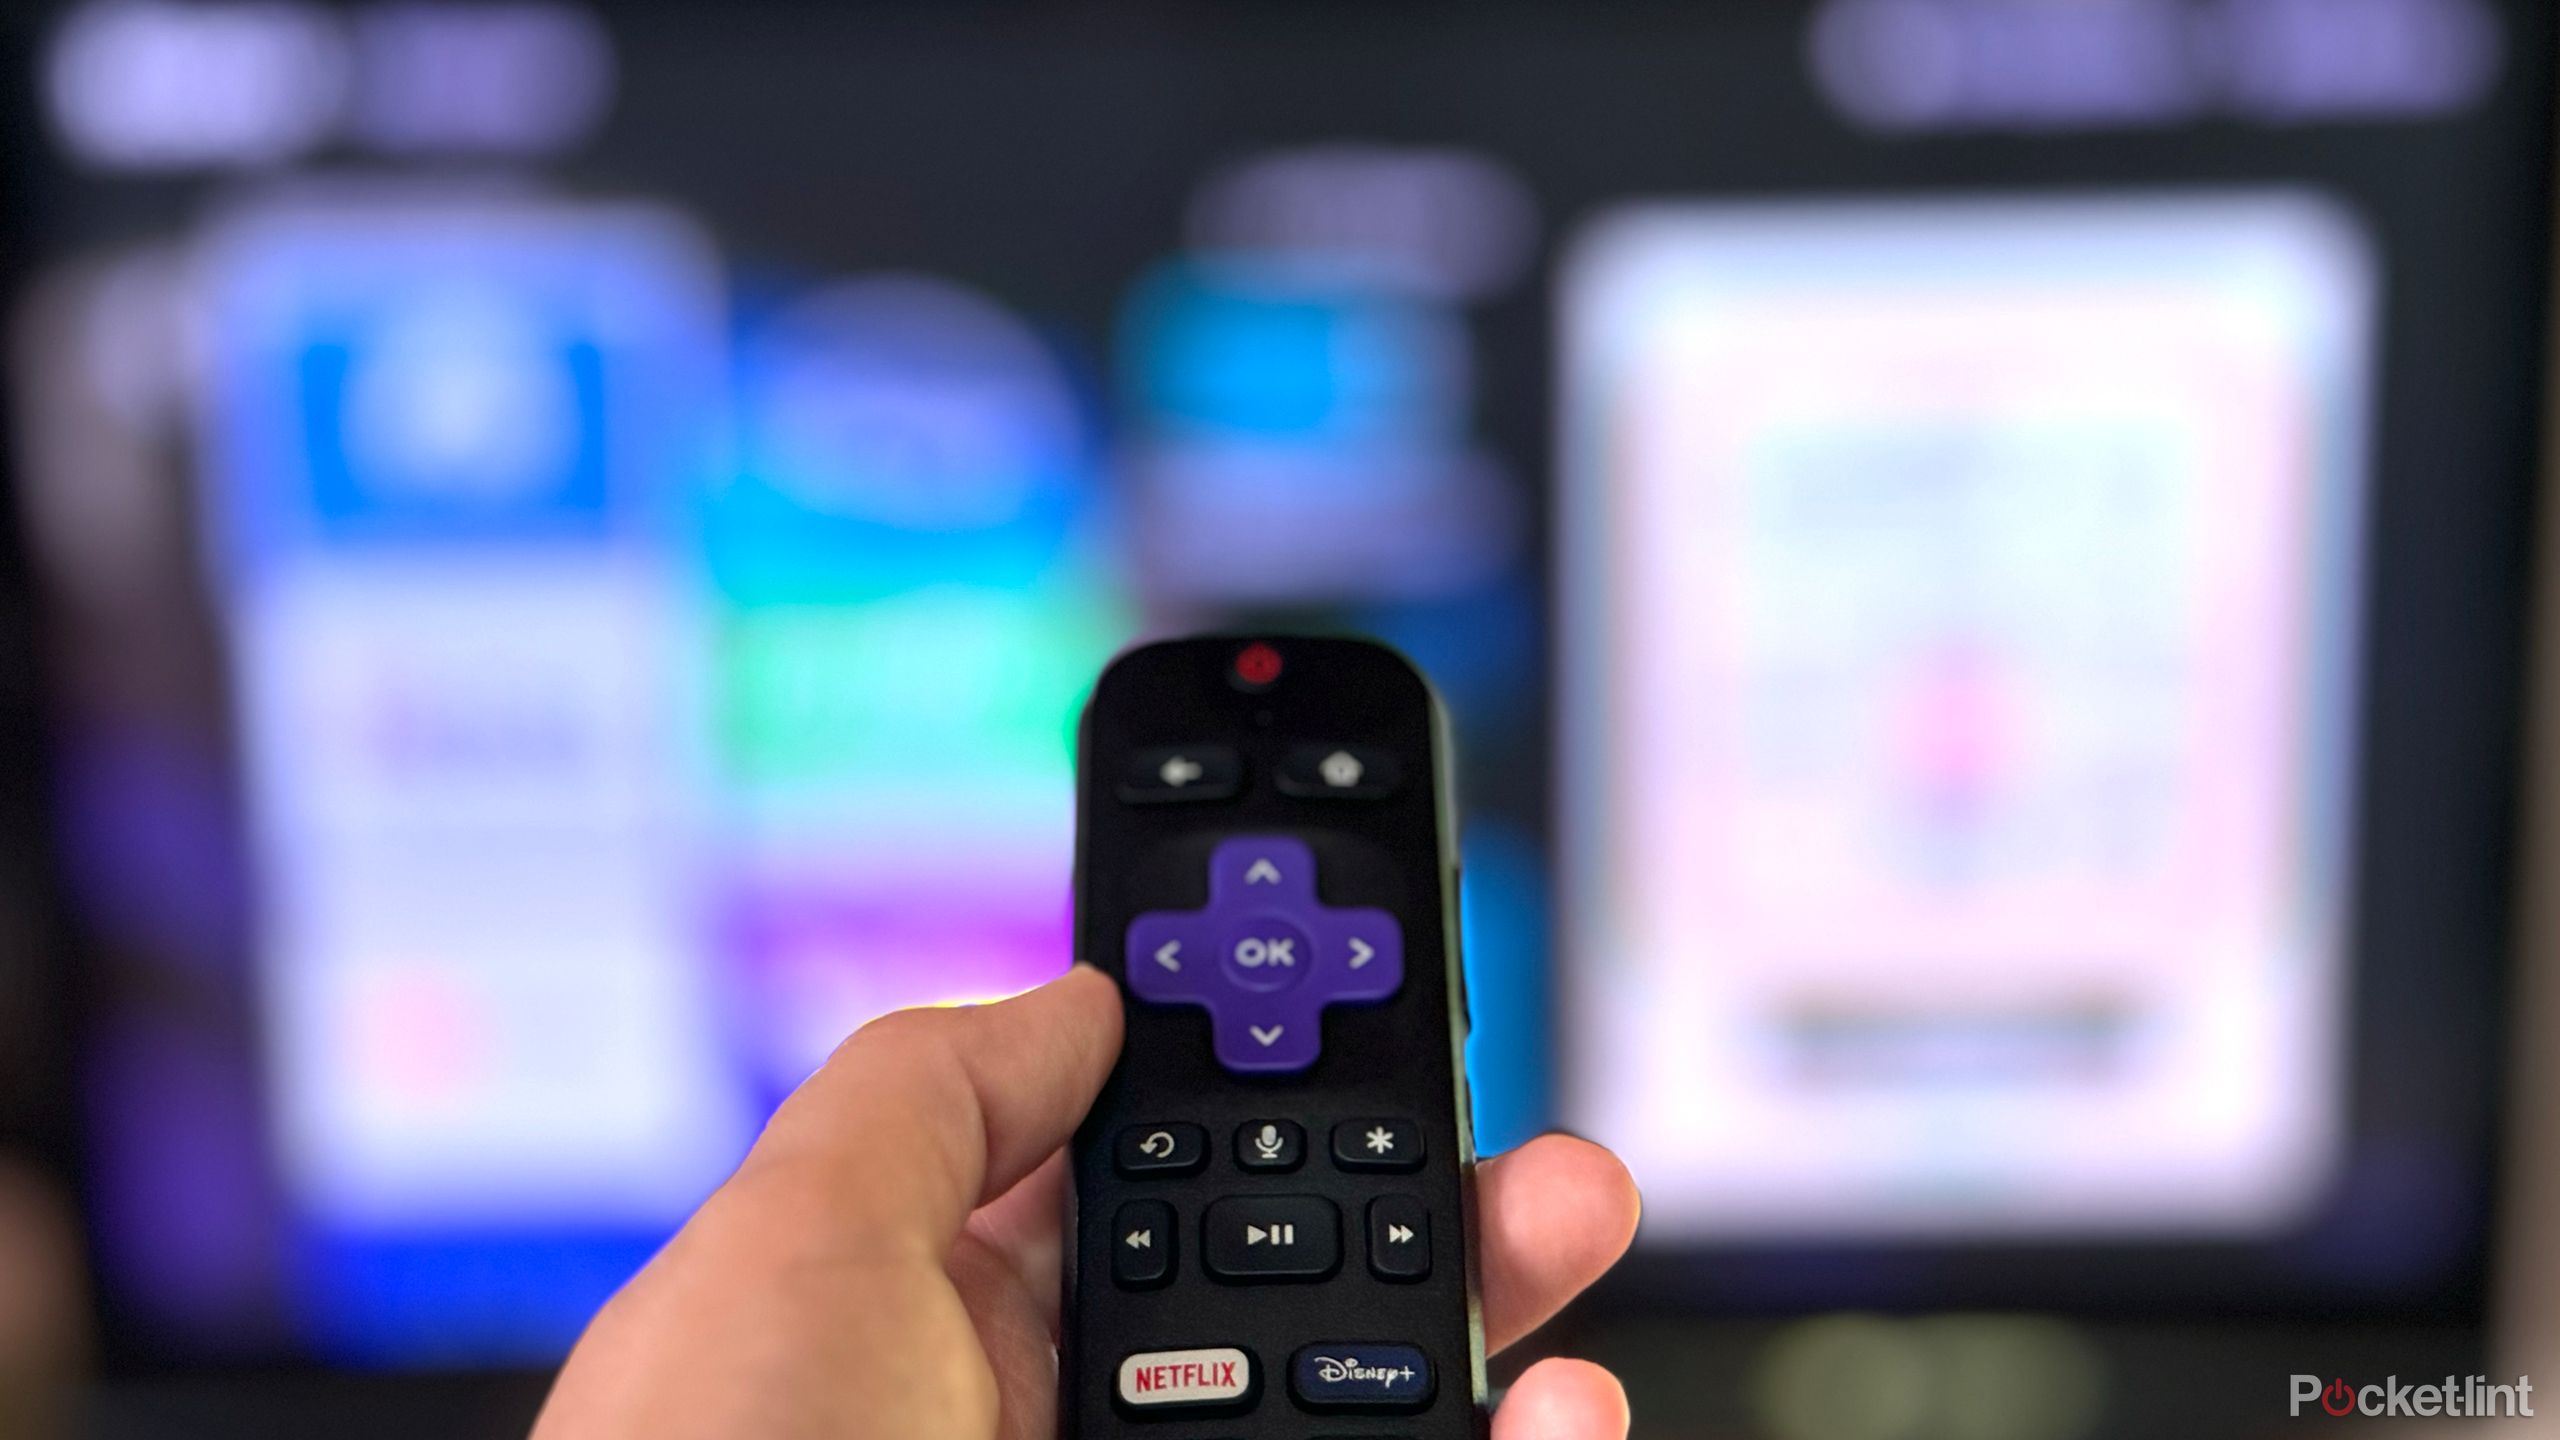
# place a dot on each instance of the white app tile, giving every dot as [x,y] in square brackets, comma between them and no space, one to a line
[483,932]
[1961,604]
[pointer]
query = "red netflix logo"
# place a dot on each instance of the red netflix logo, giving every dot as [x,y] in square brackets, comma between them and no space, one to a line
[1189,1376]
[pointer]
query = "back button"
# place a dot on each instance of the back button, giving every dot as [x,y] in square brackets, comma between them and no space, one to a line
[1181,772]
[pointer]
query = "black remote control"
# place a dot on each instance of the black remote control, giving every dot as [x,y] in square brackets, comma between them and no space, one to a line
[1273,1228]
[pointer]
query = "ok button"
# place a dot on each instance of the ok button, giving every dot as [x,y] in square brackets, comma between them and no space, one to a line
[1266,953]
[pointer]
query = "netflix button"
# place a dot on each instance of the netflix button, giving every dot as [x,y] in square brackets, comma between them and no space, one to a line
[1161,1379]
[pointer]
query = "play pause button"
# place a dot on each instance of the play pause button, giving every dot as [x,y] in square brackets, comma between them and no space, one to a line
[1399,1238]
[1142,1244]
[1268,1238]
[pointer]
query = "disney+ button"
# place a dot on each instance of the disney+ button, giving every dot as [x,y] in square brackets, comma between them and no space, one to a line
[1339,1376]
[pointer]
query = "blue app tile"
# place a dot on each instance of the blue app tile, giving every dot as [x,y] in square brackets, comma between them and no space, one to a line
[895,432]
[1266,352]
[461,443]
[423,374]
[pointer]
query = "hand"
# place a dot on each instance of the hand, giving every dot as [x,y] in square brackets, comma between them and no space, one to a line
[885,1261]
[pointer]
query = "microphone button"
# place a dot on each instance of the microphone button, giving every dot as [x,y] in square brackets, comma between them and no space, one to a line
[1271,1146]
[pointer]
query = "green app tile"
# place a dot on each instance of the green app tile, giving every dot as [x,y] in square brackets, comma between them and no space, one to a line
[955,680]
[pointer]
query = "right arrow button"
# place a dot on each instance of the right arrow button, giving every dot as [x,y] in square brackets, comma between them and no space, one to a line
[1363,951]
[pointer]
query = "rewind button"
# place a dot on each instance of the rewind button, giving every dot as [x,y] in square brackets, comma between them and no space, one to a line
[1142,1241]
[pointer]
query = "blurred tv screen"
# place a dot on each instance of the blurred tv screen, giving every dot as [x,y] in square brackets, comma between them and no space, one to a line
[1976,548]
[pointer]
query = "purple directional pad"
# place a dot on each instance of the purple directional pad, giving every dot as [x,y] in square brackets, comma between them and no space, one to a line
[1266,956]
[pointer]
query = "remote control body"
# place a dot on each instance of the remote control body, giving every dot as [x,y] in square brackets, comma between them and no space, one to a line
[1272,1228]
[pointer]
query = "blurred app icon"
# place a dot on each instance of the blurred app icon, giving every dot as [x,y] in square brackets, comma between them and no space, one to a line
[1956,65]
[897,431]
[1245,349]
[965,692]
[1298,431]
[146,85]
[1960,605]
[452,407]
[1450,224]
[485,77]
[824,959]
[463,370]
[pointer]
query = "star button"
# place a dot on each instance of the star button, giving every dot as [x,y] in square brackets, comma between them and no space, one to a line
[1378,1142]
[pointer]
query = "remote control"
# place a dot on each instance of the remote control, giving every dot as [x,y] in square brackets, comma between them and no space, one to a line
[1273,1207]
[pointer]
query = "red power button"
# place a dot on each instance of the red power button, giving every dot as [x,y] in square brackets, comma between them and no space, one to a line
[1257,665]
